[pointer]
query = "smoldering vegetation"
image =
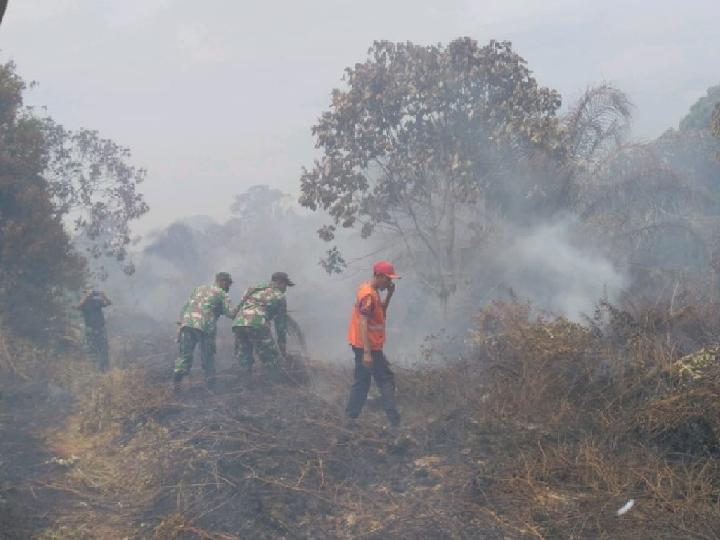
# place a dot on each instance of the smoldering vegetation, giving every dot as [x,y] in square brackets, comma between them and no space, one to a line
[552,264]
[555,334]
[546,430]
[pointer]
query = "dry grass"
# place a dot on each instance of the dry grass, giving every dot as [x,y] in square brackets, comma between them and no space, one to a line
[268,460]
[545,432]
[591,419]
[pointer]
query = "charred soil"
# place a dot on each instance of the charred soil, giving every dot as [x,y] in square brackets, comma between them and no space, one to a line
[546,432]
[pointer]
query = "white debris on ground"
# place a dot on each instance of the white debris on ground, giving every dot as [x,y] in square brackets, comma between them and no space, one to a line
[65,462]
[626,507]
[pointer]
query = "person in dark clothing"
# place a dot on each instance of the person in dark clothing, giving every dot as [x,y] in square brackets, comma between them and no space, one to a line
[96,342]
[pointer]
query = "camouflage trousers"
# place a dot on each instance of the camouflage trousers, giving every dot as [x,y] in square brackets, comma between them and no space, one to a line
[251,340]
[96,344]
[188,338]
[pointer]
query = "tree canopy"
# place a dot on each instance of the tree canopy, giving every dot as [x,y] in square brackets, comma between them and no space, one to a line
[421,133]
[54,182]
[93,185]
[435,145]
[700,114]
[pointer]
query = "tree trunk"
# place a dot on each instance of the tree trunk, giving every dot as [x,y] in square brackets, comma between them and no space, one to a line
[3,6]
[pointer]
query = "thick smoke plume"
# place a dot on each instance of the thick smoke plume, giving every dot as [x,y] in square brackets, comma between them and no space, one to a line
[551,265]
[559,271]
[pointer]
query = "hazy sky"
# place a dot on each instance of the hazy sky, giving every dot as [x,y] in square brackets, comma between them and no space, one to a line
[216,99]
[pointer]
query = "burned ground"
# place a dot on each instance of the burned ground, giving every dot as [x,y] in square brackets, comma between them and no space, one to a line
[545,432]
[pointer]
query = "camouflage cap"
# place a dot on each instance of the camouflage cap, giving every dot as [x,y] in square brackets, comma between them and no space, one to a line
[282,276]
[223,276]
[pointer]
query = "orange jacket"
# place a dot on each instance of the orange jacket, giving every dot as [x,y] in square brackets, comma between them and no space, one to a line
[367,303]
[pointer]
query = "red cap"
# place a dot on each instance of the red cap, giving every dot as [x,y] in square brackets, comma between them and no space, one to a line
[384,267]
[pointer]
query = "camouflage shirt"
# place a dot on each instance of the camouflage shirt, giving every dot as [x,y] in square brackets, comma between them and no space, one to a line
[206,304]
[262,304]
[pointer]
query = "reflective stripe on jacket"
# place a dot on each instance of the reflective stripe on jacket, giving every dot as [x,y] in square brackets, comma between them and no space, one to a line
[368,302]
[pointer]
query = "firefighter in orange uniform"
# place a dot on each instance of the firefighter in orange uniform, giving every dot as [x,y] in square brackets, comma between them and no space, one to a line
[367,337]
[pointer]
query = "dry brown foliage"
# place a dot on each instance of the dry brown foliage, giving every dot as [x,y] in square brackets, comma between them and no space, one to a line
[593,417]
[545,432]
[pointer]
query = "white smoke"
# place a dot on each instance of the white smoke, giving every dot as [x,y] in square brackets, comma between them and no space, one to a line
[559,271]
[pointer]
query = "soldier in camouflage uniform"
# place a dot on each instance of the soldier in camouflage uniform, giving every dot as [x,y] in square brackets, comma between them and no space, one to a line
[259,306]
[198,326]
[96,341]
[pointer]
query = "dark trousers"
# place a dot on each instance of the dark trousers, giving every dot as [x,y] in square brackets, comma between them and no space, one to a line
[97,345]
[384,379]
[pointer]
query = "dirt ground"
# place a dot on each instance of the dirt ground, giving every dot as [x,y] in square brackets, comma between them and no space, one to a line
[265,458]
[548,433]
